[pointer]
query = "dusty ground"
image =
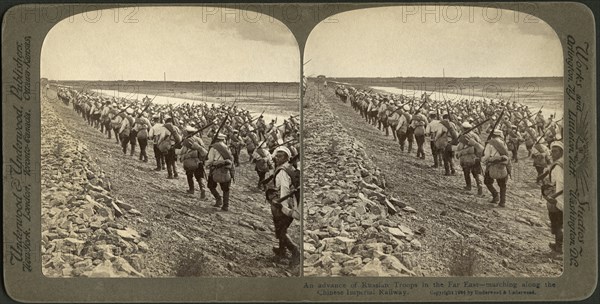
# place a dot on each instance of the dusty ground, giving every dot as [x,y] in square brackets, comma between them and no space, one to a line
[511,241]
[182,231]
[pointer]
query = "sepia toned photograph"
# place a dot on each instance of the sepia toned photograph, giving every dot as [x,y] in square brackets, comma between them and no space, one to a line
[308,152]
[433,144]
[170,145]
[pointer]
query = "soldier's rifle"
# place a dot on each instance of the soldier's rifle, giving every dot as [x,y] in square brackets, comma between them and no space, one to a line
[172,116]
[474,127]
[542,176]
[494,127]
[196,132]
[285,197]
[398,109]
[540,138]
[125,109]
[448,109]
[522,119]
[285,143]
[214,139]
[147,106]
[417,110]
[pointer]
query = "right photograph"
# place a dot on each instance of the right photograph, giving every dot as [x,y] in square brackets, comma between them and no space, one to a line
[433,144]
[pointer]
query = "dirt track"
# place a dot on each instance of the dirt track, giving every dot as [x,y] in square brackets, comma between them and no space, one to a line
[511,241]
[177,225]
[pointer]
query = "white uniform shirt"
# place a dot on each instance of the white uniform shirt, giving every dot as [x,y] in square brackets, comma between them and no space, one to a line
[157,131]
[489,152]
[213,156]
[283,182]
[435,129]
[558,179]
[124,124]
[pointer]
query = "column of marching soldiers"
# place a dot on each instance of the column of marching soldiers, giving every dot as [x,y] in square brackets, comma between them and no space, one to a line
[175,133]
[475,132]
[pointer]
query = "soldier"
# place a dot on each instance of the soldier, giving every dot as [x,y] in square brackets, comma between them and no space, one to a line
[468,151]
[235,145]
[530,136]
[173,134]
[382,113]
[402,130]
[513,140]
[142,127]
[192,155]
[435,130]
[221,171]
[125,131]
[541,156]
[104,119]
[540,122]
[373,110]
[552,190]
[251,141]
[418,124]
[293,121]
[260,127]
[157,131]
[495,157]
[116,124]
[262,163]
[393,121]
[96,112]
[451,138]
[283,212]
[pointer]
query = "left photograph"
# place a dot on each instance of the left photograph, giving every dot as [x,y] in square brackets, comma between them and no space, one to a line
[170,145]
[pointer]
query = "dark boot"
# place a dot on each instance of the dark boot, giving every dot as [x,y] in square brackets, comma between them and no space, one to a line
[225,201]
[190,186]
[217,196]
[202,193]
[477,178]
[558,242]
[169,172]
[467,182]
[410,146]
[280,251]
[502,197]
[446,168]
[295,251]
[494,193]
[175,171]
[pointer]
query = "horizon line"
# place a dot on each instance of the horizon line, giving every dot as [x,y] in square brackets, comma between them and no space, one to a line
[131,80]
[447,77]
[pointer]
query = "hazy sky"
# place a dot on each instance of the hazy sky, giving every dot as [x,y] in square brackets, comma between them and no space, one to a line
[185,42]
[409,41]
